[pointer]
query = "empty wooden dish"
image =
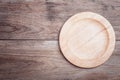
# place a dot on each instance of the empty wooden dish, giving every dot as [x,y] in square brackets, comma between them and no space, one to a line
[87,39]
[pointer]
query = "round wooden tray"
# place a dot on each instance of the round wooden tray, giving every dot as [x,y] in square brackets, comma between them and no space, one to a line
[87,40]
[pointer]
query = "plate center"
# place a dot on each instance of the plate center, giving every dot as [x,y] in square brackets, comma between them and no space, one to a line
[88,39]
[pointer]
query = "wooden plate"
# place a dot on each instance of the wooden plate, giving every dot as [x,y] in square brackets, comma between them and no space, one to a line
[87,40]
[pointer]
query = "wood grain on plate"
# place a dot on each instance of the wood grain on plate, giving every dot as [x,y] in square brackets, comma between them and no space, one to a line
[87,39]
[22,57]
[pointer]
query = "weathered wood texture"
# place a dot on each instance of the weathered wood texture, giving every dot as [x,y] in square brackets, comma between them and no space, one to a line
[29,31]
[42,19]
[42,60]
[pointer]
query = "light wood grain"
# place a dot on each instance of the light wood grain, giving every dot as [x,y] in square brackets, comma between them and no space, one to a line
[42,60]
[42,19]
[87,39]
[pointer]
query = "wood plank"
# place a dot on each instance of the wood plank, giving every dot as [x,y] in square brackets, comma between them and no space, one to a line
[42,60]
[42,19]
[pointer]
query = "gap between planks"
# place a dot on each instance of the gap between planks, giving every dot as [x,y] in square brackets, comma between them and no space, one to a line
[35,39]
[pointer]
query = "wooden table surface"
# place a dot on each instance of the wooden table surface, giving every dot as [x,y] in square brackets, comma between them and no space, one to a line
[29,31]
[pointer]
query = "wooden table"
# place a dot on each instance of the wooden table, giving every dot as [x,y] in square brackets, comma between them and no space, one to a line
[29,32]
